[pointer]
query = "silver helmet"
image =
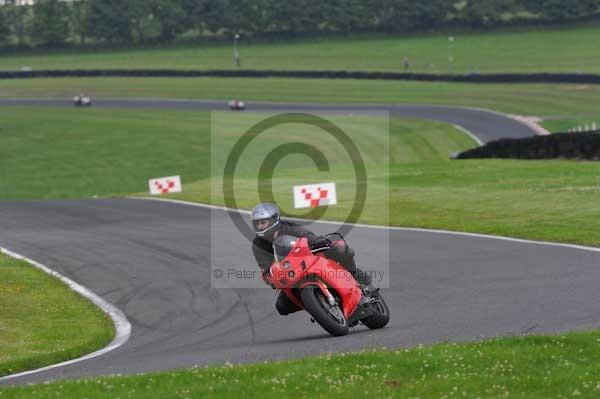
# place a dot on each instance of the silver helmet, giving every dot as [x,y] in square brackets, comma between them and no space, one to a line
[265,218]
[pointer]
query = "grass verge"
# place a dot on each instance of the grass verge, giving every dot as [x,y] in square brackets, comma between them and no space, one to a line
[73,153]
[66,153]
[552,50]
[564,125]
[42,321]
[533,367]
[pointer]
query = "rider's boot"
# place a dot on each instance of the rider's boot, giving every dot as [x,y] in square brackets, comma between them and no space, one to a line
[363,278]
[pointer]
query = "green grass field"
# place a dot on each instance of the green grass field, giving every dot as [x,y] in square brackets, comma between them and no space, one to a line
[563,101]
[563,125]
[533,367]
[64,153]
[73,153]
[552,50]
[42,321]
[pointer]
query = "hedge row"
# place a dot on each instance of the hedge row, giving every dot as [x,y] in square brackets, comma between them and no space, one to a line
[246,73]
[584,145]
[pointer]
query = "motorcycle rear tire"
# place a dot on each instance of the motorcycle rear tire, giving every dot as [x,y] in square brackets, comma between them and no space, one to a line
[380,318]
[312,304]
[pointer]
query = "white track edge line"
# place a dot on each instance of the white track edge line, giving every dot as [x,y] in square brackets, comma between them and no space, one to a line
[380,227]
[122,325]
[468,133]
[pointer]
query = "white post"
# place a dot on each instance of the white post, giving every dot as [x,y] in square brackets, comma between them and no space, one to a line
[450,54]
[236,54]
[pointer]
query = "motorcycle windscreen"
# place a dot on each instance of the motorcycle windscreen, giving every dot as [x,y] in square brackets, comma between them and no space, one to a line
[282,247]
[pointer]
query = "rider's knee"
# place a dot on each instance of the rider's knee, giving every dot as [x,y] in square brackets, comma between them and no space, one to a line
[284,306]
[343,249]
[340,250]
[350,251]
[286,310]
[282,309]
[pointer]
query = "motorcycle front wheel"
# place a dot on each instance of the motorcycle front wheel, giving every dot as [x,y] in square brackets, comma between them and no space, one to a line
[331,318]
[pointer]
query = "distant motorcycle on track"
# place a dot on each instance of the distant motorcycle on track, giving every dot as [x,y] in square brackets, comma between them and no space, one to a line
[325,289]
[82,101]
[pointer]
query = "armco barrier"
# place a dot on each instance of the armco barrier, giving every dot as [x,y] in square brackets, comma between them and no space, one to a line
[363,75]
[560,145]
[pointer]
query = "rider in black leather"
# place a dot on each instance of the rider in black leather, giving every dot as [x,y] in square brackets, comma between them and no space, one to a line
[268,226]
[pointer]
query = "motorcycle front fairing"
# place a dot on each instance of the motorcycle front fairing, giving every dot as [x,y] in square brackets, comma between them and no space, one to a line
[300,268]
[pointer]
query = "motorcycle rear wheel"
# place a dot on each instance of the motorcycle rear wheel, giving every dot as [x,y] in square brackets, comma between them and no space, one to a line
[381,316]
[332,319]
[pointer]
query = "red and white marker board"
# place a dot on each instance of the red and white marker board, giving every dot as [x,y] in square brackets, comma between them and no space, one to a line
[165,185]
[314,195]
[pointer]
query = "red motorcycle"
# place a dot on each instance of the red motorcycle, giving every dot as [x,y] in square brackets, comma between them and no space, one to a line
[324,288]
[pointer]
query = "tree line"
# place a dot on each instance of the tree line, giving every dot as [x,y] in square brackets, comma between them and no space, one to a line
[57,22]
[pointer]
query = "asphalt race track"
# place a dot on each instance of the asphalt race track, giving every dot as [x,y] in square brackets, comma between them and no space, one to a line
[152,260]
[486,125]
